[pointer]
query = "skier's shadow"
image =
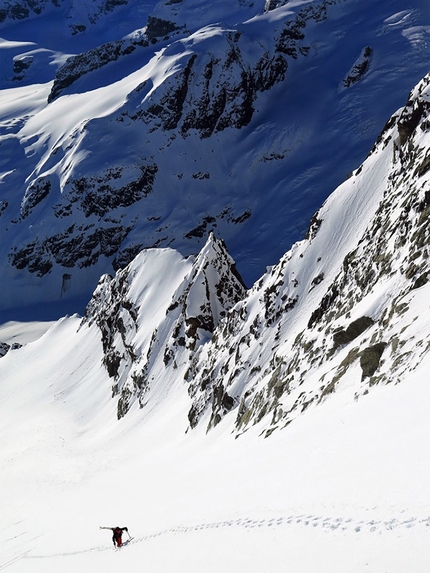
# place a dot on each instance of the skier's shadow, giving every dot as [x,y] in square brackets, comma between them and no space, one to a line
[126,542]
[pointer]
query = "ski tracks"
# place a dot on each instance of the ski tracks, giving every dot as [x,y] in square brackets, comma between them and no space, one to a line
[327,524]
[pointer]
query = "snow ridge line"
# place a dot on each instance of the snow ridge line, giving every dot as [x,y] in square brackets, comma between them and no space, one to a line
[332,524]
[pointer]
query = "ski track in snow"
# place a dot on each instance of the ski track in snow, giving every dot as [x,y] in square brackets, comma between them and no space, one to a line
[328,524]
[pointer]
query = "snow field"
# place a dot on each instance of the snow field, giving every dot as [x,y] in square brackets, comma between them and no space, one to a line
[343,487]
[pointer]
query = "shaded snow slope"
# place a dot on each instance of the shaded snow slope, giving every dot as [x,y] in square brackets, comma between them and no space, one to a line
[181,119]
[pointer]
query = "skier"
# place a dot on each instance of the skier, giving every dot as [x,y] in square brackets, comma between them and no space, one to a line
[117,534]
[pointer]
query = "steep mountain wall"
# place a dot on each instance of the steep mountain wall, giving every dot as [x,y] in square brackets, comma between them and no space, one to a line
[343,311]
[180,120]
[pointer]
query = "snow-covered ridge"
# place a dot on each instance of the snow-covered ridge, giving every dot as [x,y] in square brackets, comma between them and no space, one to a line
[340,313]
[157,312]
[342,309]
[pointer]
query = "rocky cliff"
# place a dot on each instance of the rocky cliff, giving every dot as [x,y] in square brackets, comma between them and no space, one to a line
[142,126]
[341,312]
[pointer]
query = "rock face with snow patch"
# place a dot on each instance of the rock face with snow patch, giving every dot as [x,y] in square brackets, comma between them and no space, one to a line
[345,320]
[340,313]
[188,309]
[4,348]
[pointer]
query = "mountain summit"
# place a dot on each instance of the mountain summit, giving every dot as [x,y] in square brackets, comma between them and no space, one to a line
[157,312]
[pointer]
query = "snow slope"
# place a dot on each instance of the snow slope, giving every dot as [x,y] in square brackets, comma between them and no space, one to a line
[345,487]
[22,332]
[335,481]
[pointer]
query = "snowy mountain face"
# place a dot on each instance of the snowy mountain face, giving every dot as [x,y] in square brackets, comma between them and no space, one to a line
[145,332]
[126,126]
[341,311]
[127,139]
[234,121]
[139,141]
